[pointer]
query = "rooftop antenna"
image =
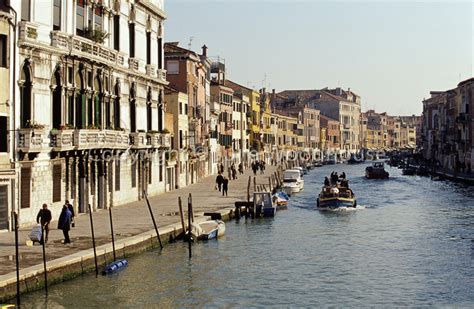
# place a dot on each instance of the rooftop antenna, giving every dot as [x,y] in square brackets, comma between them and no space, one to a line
[190,42]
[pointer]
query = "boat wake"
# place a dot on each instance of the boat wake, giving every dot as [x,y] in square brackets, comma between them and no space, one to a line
[343,209]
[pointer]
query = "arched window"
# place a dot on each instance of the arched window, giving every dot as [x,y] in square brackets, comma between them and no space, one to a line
[133,109]
[98,97]
[25,95]
[148,111]
[57,100]
[117,106]
[160,110]
[80,101]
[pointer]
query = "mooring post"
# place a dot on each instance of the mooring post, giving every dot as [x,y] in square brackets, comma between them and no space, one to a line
[112,232]
[93,241]
[189,225]
[153,219]
[248,189]
[43,238]
[181,214]
[254,184]
[17,260]
[270,183]
[237,211]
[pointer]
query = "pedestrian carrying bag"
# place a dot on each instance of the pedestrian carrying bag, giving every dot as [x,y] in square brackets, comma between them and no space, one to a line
[36,232]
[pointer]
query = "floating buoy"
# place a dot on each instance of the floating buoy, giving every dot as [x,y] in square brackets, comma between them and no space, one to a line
[115,266]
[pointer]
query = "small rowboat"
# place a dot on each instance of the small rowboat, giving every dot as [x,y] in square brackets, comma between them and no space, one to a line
[206,230]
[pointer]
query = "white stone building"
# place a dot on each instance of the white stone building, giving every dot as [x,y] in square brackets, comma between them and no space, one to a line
[88,98]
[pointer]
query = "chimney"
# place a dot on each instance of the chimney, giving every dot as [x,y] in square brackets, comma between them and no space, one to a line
[338,91]
[204,50]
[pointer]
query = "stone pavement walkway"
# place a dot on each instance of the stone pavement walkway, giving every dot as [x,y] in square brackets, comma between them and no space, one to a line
[129,220]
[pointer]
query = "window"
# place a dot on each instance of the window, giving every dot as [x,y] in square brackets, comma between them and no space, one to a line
[25,95]
[80,17]
[148,48]
[117,174]
[57,101]
[98,13]
[3,51]
[180,138]
[172,67]
[3,134]
[131,35]
[134,172]
[117,32]
[117,107]
[133,110]
[160,53]
[180,108]
[4,207]
[57,175]
[70,110]
[25,10]
[25,187]
[148,112]
[57,15]
[150,172]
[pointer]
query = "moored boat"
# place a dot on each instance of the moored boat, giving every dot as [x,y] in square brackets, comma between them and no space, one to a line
[208,229]
[292,181]
[281,199]
[263,203]
[376,171]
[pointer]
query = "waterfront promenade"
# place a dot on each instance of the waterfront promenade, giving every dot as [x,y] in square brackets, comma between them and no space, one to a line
[130,220]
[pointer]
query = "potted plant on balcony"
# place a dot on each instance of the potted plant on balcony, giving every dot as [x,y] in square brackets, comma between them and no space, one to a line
[31,124]
[165,131]
[96,35]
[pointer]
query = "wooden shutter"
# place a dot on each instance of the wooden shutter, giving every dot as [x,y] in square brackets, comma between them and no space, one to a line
[3,207]
[57,176]
[25,187]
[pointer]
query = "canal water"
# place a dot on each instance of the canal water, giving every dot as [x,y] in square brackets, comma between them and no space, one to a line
[410,242]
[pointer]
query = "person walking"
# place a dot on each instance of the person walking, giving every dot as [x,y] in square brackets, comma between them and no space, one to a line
[241,168]
[73,215]
[225,186]
[44,216]
[64,223]
[219,181]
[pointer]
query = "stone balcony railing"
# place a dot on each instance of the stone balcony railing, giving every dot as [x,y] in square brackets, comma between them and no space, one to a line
[162,74]
[63,140]
[33,140]
[166,140]
[139,140]
[151,70]
[153,139]
[85,47]
[28,32]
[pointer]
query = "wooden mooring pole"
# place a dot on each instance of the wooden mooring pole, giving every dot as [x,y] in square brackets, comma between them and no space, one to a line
[93,241]
[181,214]
[190,211]
[43,238]
[17,260]
[153,219]
[112,232]
[248,189]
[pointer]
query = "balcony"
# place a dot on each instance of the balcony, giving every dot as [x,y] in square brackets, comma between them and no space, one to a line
[215,107]
[62,140]
[139,140]
[134,64]
[28,32]
[96,139]
[33,140]
[153,139]
[151,70]
[166,140]
[162,74]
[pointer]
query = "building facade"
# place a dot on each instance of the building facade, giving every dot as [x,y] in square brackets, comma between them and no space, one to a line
[89,103]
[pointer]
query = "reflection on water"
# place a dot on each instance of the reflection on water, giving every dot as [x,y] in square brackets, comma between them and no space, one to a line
[411,243]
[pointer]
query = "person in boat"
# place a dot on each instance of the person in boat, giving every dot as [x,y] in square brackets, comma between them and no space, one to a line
[326,182]
[343,175]
[334,178]
[345,183]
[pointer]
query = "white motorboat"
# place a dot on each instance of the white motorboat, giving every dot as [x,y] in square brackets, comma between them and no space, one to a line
[292,181]
[208,229]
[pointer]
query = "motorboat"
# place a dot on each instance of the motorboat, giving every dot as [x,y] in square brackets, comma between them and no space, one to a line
[376,171]
[206,230]
[355,160]
[318,163]
[335,197]
[330,160]
[301,170]
[409,170]
[292,181]
[263,204]
[281,199]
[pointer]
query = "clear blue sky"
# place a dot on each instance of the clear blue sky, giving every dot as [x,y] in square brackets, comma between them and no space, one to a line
[390,53]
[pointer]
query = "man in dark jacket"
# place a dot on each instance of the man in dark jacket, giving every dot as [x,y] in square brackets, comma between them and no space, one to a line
[71,209]
[45,216]
[64,223]
[225,186]
[219,181]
